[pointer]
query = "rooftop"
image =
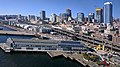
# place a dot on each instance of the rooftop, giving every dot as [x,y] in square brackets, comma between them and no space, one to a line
[33,41]
[46,42]
[107,3]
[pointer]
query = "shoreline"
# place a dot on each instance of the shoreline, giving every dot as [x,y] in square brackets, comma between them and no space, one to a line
[52,54]
[33,52]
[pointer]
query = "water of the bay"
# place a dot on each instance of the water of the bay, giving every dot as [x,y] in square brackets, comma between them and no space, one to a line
[31,59]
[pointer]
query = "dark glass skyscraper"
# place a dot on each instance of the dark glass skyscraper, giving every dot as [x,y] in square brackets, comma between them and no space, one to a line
[42,15]
[80,17]
[108,13]
[68,12]
[63,16]
[99,15]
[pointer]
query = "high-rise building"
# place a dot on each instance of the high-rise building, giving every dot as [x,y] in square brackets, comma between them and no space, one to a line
[25,18]
[85,19]
[63,16]
[53,17]
[91,17]
[66,15]
[57,19]
[108,13]
[99,15]
[80,17]
[19,17]
[68,12]
[31,17]
[42,15]
[37,18]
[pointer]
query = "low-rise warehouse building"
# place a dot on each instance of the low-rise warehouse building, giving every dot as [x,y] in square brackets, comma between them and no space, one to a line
[45,45]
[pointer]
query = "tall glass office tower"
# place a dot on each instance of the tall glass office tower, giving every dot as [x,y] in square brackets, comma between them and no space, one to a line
[99,15]
[68,12]
[42,15]
[108,13]
[80,17]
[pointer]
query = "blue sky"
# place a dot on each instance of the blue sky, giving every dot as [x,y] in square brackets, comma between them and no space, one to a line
[33,7]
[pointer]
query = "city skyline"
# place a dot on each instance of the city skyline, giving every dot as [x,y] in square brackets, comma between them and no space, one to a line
[34,7]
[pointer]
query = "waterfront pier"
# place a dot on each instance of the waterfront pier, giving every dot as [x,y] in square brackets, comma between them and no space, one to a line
[5,47]
[3,32]
[54,53]
[73,56]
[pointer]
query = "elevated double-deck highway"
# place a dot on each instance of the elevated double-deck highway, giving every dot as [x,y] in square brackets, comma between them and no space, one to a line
[90,41]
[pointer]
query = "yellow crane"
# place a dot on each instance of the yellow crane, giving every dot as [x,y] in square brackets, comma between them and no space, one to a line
[100,47]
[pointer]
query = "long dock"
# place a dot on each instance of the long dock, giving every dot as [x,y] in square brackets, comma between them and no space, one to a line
[3,32]
[4,47]
[54,53]
[19,29]
[78,57]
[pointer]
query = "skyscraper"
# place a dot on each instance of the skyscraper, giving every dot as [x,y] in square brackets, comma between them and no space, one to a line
[90,17]
[19,17]
[25,18]
[85,19]
[68,12]
[99,15]
[57,19]
[108,13]
[63,16]
[42,15]
[53,17]
[31,17]
[80,17]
